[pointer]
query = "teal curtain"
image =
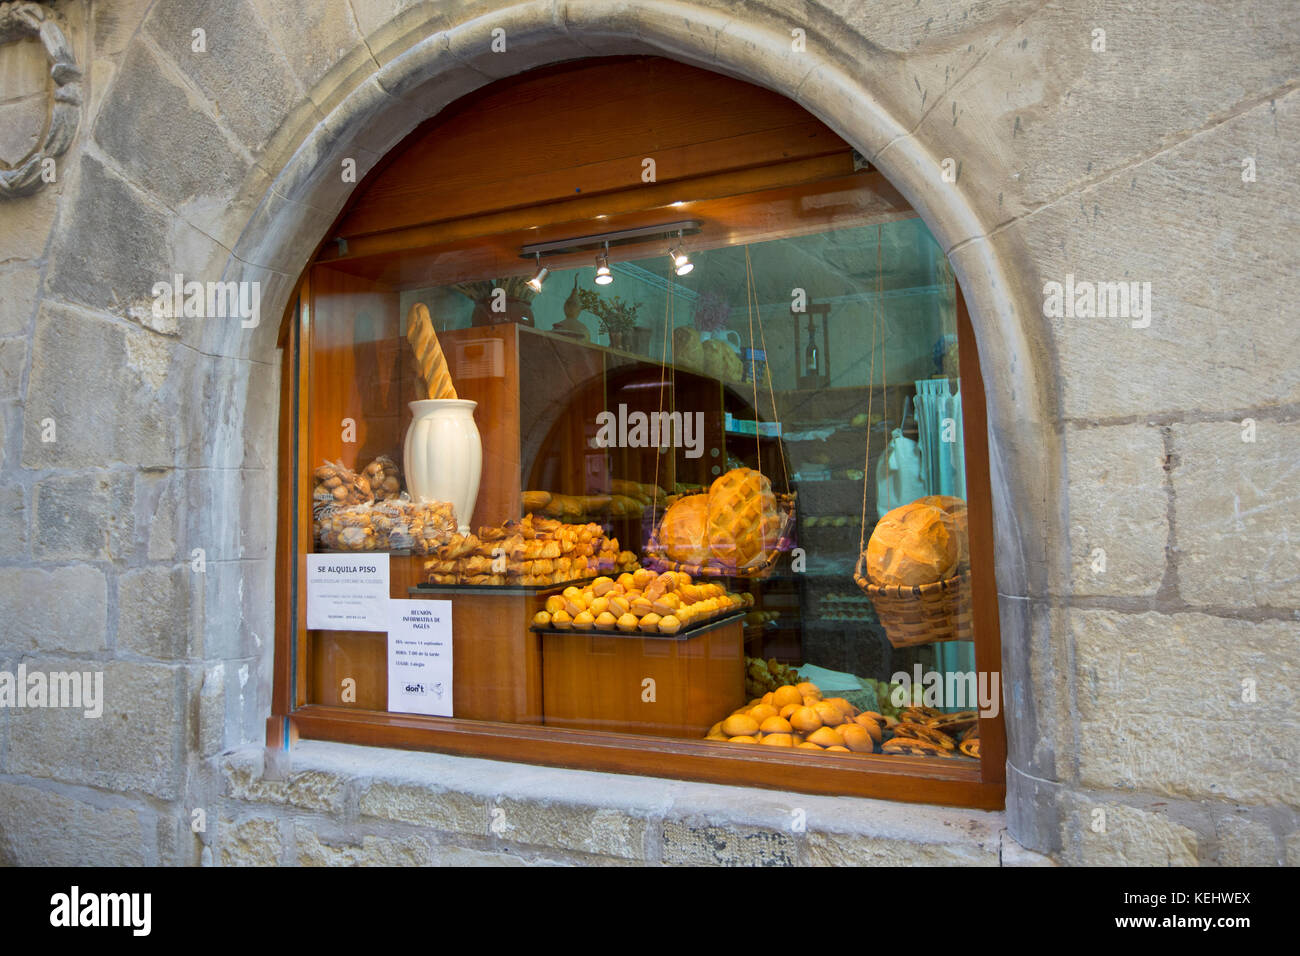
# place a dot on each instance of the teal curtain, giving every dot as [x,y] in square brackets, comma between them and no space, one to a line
[943,467]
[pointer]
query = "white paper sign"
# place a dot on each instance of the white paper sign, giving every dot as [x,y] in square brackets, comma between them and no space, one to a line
[347,592]
[419,657]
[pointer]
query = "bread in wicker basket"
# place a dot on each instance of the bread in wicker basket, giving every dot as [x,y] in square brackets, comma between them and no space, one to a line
[915,571]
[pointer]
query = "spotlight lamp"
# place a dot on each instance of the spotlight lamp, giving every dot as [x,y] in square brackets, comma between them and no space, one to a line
[535,283]
[603,275]
[681,264]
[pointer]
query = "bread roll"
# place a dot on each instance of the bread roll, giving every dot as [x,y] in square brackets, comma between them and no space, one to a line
[914,544]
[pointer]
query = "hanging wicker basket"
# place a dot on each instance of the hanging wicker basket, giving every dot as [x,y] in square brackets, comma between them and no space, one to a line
[924,614]
[656,557]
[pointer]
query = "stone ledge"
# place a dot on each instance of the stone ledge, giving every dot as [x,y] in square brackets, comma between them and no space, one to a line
[498,813]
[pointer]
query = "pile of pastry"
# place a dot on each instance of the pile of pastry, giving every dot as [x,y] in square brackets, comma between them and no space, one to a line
[927,732]
[367,511]
[390,525]
[640,601]
[533,552]
[797,715]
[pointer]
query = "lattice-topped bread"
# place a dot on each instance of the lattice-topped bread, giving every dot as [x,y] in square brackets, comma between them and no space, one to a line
[743,522]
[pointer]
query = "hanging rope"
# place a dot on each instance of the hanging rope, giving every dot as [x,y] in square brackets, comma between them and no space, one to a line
[767,370]
[664,374]
[751,300]
[876,332]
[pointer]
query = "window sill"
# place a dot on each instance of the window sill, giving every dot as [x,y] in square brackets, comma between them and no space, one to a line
[338,803]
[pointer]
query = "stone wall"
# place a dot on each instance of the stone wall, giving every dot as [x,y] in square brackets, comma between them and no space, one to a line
[1146,555]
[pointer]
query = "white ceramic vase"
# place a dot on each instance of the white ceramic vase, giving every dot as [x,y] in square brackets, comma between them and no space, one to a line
[444,455]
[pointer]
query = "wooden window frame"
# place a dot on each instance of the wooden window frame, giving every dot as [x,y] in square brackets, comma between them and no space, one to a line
[910,779]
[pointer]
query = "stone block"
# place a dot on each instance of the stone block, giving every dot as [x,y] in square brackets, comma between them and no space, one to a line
[823,848]
[1190,357]
[13,521]
[347,849]
[1293,848]
[18,292]
[251,841]
[321,45]
[85,517]
[439,809]
[65,609]
[212,710]
[1237,510]
[157,503]
[91,264]
[1024,119]
[313,788]
[1013,853]
[701,844]
[153,618]
[1119,524]
[42,827]
[97,419]
[1120,835]
[133,746]
[26,221]
[113,26]
[1036,692]
[231,607]
[1161,706]
[604,831]
[13,356]
[203,173]
[450,855]
[241,72]
[228,512]
[1244,841]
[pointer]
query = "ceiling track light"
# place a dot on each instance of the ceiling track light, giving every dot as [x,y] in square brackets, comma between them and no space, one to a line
[603,275]
[682,264]
[535,283]
[618,237]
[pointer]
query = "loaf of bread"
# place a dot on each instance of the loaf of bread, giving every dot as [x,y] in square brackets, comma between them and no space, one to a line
[688,350]
[955,508]
[916,543]
[434,374]
[684,532]
[721,361]
[743,522]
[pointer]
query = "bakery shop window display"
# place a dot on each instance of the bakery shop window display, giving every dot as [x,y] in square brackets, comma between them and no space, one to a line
[767,580]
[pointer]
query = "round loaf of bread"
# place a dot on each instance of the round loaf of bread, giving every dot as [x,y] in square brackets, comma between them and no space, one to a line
[955,508]
[683,531]
[743,522]
[688,350]
[914,544]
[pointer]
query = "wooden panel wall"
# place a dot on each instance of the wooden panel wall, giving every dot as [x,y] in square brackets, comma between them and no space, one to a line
[582,130]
